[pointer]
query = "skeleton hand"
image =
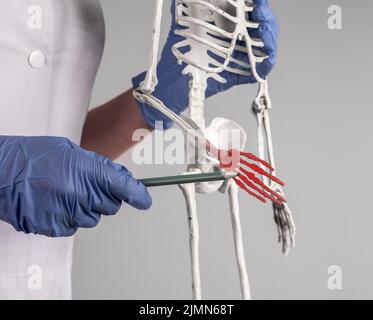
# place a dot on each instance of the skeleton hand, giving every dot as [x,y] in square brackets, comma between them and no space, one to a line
[251,171]
[173,86]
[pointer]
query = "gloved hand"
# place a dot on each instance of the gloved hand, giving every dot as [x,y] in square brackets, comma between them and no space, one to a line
[50,186]
[173,87]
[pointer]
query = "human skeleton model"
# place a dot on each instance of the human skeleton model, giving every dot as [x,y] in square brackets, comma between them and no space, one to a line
[212,30]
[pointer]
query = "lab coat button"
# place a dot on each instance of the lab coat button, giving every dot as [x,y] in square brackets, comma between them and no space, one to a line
[36,59]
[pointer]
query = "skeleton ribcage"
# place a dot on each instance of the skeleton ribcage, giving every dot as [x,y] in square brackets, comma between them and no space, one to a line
[218,30]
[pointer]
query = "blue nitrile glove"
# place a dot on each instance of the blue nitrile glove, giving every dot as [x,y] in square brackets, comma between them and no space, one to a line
[173,87]
[52,187]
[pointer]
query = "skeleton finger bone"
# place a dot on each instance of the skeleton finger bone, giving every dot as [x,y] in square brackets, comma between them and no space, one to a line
[243,187]
[253,157]
[264,186]
[250,180]
[262,172]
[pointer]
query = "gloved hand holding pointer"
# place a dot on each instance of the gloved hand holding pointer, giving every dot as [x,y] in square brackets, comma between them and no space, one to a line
[49,186]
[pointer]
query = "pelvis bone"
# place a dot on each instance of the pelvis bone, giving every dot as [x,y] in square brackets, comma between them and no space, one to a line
[224,134]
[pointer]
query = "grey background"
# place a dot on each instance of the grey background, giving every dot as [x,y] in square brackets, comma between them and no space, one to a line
[322,93]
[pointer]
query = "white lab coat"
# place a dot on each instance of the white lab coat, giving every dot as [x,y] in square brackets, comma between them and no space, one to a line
[49,55]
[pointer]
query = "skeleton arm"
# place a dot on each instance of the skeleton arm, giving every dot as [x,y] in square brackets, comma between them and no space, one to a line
[151,80]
